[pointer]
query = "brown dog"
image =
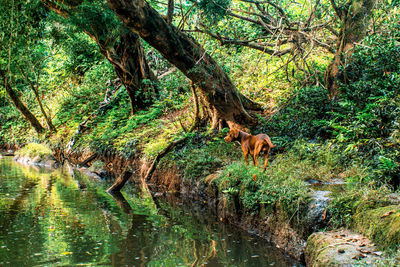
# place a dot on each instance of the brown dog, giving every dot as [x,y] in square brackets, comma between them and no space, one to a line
[253,144]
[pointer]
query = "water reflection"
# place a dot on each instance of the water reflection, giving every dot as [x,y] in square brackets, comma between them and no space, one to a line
[62,217]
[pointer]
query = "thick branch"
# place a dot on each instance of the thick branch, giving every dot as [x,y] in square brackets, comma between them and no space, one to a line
[27,114]
[257,46]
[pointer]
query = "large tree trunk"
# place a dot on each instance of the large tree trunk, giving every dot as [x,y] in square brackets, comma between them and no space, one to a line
[131,66]
[127,57]
[355,19]
[20,106]
[188,56]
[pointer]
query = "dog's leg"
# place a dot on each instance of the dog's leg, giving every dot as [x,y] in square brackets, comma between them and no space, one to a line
[254,158]
[245,154]
[266,158]
[257,151]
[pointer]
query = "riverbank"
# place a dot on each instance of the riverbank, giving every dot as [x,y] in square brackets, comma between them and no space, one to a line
[284,205]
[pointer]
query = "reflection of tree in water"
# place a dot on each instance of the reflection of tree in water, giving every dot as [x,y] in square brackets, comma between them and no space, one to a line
[19,225]
[49,216]
[188,235]
[60,213]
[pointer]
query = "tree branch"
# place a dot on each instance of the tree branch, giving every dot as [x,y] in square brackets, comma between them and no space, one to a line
[170,12]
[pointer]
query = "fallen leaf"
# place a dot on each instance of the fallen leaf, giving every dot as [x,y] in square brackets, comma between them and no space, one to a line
[387,213]
[364,251]
[378,253]
[66,253]
[359,256]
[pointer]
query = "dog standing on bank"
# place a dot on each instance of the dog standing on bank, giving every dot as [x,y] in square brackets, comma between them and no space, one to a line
[253,144]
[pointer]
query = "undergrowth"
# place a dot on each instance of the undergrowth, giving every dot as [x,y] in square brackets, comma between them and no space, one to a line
[257,190]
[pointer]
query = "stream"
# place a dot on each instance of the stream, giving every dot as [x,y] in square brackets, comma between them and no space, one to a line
[63,218]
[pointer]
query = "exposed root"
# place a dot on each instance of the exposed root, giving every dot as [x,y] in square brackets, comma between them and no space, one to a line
[160,155]
[89,159]
[120,182]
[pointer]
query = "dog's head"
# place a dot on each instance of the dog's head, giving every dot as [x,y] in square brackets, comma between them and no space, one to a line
[232,135]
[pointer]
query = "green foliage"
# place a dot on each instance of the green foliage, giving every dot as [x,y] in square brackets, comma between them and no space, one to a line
[81,50]
[214,10]
[362,121]
[33,150]
[302,116]
[83,99]
[202,155]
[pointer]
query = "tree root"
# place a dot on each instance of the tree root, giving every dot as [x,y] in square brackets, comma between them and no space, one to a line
[120,182]
[160,155]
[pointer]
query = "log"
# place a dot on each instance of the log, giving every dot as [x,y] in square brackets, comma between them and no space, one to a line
[120,182]
[89,159]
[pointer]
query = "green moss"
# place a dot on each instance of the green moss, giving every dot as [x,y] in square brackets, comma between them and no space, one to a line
[370,212]
[313,252]
[381,225]
[201,156]
[33,150]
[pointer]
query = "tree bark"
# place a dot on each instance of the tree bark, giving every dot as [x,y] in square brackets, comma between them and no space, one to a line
[355,18]
[132,68]
[20,106]
[188,56]
[127,58]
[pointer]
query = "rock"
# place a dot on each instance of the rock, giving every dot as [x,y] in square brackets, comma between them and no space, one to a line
[316,216]
[339,248]
[51,163]
[36,160]
[47,161]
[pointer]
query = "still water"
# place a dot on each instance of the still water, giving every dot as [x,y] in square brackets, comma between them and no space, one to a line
[63,218]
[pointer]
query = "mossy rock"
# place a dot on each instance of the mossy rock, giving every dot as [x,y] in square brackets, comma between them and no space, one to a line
[34,150]
[340,248]
[382,225]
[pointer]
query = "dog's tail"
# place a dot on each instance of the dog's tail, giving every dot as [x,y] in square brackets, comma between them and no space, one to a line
[269,143]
